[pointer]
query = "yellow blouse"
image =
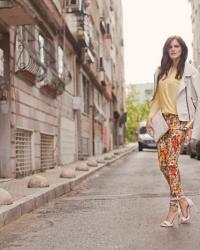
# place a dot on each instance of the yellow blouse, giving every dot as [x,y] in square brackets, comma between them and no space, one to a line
[165,98]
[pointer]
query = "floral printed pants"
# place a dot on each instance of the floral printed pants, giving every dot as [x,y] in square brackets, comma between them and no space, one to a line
[169,147]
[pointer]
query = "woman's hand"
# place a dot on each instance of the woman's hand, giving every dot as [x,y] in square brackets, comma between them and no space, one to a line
[188,135]
[149,126]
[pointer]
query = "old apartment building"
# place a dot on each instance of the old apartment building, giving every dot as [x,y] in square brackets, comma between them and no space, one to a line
[61,82]
[195,18]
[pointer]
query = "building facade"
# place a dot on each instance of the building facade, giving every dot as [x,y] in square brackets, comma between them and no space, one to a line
[61,82]
[143,92]
[195,18]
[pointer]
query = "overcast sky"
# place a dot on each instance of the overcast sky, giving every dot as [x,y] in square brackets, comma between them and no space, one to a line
[147,24]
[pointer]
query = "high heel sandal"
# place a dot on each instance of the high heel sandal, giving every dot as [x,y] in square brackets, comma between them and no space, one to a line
[165,223]
[186,220]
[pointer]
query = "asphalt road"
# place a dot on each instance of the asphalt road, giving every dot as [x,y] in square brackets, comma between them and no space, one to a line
[121,208]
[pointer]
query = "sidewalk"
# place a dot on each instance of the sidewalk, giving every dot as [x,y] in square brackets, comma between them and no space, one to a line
[26,199]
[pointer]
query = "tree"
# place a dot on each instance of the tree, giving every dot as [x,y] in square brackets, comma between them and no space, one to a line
[135,114]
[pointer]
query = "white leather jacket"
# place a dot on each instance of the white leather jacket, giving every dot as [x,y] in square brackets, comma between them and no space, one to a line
[188,98]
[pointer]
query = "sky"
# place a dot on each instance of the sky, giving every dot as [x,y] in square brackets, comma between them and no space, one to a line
[147,24]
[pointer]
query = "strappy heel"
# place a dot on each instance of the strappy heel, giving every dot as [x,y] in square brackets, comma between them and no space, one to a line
[186,220]
[165,223]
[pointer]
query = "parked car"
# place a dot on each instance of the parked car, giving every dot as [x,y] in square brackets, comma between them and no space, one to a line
[194,148]
[184,148]
[144,139]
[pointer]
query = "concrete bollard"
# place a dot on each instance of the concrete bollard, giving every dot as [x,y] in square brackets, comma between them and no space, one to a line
[100,160]
[5,197]
[92,163]
[38,181]
[68,173]
[108,157]
[82,167]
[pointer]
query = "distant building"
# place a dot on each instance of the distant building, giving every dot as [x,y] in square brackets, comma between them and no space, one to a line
[144,92]
[195,18]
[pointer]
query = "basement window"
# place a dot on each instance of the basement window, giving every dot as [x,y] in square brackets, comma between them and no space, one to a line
[47,151]
[23,153]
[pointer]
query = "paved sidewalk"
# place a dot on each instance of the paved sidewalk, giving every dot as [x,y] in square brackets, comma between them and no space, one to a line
[27,199]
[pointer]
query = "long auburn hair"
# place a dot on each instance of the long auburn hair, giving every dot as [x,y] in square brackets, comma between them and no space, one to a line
[166,61]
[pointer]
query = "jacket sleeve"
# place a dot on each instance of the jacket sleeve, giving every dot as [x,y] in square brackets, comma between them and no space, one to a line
[196,125]
[155,103]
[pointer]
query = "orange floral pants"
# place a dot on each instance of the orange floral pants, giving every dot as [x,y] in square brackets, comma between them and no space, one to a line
[169,147]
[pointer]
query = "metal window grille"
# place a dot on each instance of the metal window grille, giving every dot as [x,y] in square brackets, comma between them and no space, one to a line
[23,153]
[47,151]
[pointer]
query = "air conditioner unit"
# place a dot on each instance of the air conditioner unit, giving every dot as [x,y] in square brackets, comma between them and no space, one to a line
[73,6]
[77,103]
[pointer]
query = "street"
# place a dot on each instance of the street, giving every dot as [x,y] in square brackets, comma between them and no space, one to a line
[121,207]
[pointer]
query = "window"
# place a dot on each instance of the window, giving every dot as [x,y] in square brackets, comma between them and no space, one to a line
[51,54]
[41,49]
[143,130]
[85,95]
[1,63]
[101,67]
[47,151]
[28,37]
[23,153]
[60,62]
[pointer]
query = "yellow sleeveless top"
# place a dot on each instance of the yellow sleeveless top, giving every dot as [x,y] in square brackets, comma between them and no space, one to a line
[165,98]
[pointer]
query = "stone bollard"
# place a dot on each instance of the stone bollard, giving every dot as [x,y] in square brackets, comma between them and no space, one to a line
[38,181]
[100,160]
[92,163]
[5,197]
[82,167]
[68,173]
[108,157]
[117,152]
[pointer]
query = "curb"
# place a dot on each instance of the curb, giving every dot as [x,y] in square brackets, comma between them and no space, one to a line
[10,213]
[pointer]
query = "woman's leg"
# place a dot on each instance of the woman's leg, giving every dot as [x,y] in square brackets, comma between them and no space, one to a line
[162,156]
[168,153]
[175,141]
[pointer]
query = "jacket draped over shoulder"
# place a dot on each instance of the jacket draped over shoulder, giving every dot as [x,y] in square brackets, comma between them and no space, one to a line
[188,97]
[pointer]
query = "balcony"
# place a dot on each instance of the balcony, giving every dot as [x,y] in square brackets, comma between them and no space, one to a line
[99,115]
[83,38]
[84,31]
[52,85]
[14,14]
[105,73]
[28,65]
[108,92]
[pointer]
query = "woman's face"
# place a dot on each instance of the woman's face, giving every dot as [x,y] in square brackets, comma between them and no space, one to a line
[174,50]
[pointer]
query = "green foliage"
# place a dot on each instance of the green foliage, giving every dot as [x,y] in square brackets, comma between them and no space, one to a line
[135,114]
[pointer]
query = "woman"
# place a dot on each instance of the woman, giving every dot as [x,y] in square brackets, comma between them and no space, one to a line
[177,95]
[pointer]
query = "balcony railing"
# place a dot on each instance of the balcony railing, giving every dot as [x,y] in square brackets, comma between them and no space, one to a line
[84,31]
[28,64]
[52,85]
